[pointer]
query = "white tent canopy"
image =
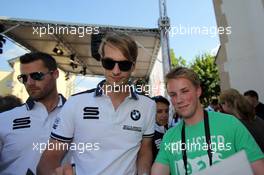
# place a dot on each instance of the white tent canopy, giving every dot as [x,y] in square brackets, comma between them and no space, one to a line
[71,39]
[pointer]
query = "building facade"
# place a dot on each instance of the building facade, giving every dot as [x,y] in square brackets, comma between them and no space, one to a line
[240,58]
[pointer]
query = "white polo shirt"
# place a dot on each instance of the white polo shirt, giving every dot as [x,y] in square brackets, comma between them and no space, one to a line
[22,131]
[111,138]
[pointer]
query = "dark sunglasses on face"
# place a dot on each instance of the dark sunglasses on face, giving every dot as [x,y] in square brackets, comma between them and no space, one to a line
[109,64]
[34,76]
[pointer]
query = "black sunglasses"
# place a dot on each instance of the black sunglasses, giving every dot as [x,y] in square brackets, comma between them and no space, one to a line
[109,64]
[34,76]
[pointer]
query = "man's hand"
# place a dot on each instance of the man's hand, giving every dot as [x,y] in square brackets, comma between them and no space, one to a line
[144,160]
[51,159]
[64,170]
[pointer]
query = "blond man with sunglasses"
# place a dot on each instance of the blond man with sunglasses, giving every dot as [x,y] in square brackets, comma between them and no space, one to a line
[24,128]
[115,121]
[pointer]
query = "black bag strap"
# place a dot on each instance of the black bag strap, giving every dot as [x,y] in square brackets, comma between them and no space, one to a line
[207,137]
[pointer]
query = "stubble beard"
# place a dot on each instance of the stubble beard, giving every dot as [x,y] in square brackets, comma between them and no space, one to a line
[43,94]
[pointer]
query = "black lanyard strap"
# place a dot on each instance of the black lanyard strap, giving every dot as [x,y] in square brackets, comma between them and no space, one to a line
[183,147]
[207,137]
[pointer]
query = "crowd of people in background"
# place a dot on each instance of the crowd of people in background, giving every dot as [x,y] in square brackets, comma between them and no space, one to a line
[130,131]
[236,104]
[253,98]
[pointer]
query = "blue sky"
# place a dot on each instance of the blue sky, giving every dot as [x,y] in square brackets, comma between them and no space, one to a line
[135,13]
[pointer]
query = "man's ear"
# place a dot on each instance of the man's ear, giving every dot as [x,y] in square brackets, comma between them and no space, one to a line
[55,73]
[133,67]
[199,91]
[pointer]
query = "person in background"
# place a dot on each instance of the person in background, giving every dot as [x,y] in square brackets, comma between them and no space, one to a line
[214,106]
[253,98]
[234,103]
[161,125]
[175,119]
[9,102]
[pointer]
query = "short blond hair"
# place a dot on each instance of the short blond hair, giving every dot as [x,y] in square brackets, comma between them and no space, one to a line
[183,72]
[123,42]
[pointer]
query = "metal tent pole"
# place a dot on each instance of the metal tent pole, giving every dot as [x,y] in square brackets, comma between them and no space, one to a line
[164,26]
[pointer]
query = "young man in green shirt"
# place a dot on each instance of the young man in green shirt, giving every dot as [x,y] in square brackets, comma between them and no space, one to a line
[184,149]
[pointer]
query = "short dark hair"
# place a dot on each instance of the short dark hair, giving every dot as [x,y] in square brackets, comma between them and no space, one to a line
[9,102]
[251,93]
[161,99]
[214,102]
[47,59]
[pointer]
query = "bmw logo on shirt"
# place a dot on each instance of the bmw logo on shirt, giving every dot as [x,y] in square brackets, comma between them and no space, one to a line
[135,115]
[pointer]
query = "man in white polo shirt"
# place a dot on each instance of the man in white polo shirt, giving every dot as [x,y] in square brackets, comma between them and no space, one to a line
[25,130]
[114,123]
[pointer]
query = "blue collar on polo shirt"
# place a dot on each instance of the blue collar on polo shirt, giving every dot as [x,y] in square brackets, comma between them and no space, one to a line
[99,90]
[30,102]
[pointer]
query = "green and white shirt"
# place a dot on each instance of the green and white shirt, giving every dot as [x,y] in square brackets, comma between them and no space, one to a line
[228,136]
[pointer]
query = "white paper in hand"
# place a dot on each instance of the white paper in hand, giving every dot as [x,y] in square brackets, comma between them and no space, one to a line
[236,164]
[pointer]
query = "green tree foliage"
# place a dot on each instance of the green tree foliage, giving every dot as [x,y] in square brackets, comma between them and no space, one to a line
[204,65]
[175,62]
